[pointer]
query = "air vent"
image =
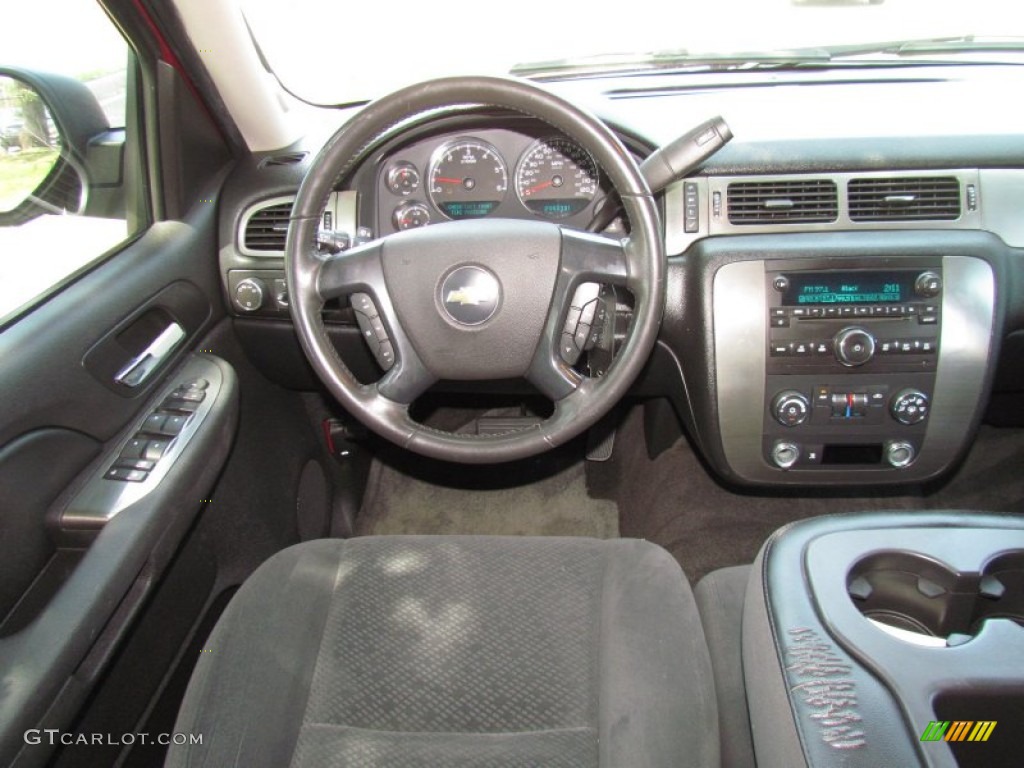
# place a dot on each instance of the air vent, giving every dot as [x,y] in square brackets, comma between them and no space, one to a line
[782,202]
[906,198]
[287,158]
[266,229]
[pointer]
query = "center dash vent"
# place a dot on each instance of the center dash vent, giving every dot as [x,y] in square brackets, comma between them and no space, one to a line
[286,158]
[266,229]
[905,198]
[782,202]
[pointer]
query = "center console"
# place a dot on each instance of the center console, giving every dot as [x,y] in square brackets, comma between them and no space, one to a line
[888,639]
[840,370]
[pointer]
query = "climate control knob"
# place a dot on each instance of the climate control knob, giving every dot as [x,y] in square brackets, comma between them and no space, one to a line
[250,294]
[909,406]
[791,408]
[854,346]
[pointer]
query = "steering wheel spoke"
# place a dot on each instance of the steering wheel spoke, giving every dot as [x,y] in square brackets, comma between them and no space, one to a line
[359,274]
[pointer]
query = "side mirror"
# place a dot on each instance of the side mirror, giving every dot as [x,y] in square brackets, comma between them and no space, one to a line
[58,153]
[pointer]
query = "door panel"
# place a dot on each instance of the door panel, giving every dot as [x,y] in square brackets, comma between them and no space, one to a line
[68,594]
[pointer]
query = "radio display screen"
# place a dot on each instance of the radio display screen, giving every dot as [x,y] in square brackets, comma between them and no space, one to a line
[822,288]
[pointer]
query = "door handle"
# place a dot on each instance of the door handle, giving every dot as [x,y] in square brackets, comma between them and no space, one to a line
[142,365]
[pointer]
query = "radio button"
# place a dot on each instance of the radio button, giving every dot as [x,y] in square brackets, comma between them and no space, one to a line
[928,319]
[801,312]
[778,312]
[831,311]
[894,311]
[862,311]
[846,311]
[780,350]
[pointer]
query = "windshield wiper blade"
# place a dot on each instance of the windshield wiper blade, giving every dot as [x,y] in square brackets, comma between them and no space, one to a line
[660,61]
[919,46]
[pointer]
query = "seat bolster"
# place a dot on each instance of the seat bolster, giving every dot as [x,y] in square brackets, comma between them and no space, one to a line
[248,693]
[657,707]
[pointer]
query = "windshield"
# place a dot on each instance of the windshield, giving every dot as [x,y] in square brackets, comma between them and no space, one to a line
[330,52]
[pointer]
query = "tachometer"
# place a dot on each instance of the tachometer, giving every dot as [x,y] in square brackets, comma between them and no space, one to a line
[468,179]
[557,178]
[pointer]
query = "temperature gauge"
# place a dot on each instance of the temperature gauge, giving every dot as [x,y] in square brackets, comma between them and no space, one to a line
[403,179]
[410,215]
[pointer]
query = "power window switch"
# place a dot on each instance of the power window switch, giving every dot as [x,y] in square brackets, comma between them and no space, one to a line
[155,449]
[154,423]
[189,395]
[143,465]
[182,406]
[134,448]
[126,475]
[174,423]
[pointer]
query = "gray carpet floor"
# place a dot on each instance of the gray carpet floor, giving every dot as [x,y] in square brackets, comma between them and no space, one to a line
[674,501]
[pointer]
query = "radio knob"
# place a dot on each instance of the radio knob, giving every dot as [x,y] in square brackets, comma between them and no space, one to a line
[928,285]
[250,293]
[785,454]
[791,408]
[900,453]
[854,346]
[910,406]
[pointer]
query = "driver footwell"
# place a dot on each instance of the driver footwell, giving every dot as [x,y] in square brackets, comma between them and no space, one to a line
[543,496]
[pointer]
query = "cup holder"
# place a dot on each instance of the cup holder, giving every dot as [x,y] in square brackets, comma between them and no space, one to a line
[919,597]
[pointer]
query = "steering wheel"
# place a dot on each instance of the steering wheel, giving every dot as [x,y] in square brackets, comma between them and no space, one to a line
[475,299]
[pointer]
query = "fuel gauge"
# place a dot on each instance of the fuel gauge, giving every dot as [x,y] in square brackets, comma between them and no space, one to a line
[403,179]
[410,215]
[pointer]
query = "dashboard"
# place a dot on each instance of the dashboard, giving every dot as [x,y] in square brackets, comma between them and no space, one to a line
[840,311]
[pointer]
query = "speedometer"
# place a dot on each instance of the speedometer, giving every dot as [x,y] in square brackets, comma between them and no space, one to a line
[557,178]
[468,179]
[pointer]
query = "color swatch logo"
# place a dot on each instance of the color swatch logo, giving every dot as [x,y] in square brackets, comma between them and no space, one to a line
[958,730]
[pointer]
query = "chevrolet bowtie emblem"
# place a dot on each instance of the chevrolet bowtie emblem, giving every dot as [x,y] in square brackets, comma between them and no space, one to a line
[468,295]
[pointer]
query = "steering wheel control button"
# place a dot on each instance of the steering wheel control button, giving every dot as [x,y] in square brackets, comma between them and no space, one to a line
[791,408]
[900,454]
[570,352]
[854,346]
[470,295]
[126,475]
[910,407]
[361,302]
[785,454]
[385,355]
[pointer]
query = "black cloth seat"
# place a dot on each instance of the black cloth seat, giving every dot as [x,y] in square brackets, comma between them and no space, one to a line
[456,651]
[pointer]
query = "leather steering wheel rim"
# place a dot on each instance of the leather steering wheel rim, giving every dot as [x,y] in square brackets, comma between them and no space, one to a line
[383,406]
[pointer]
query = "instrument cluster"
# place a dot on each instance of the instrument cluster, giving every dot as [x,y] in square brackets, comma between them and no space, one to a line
[491,172]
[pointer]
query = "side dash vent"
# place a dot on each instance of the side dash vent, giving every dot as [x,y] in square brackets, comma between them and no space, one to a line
[266,228]
[907,198]
[782,202]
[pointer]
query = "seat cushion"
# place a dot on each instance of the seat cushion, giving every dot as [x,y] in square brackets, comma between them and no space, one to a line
[456,651]
[720,597]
